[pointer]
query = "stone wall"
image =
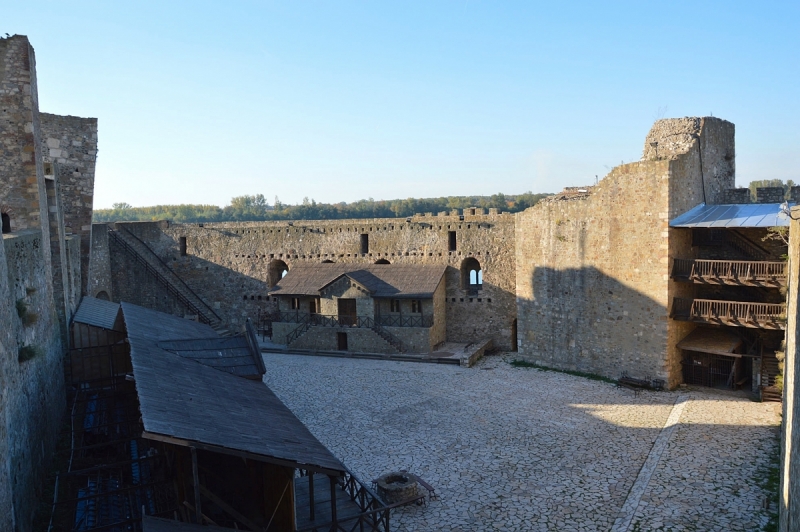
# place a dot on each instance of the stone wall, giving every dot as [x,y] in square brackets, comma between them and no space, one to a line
[33,395]
[99,279]
[770,195]
[735,196]
[593,288]
[70,154]
[228,264]
[789,496]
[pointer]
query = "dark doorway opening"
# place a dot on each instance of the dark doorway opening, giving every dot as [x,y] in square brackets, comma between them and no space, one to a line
[341,341]
[514,335]
[6,223]
[347,312]
[364,244]
[183,246]
[451,241]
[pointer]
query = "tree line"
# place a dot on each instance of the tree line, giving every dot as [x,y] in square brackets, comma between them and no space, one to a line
[761,183]
[256,208]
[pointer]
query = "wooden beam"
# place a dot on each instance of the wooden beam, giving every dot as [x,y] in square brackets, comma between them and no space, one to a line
[334,518]
[243,454]
[196,481]
[311,494]
[227,508]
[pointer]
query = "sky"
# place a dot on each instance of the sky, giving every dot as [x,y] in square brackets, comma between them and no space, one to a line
[198,102]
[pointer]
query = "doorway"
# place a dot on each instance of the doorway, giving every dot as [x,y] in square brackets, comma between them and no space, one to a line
[347,312]
[341,341]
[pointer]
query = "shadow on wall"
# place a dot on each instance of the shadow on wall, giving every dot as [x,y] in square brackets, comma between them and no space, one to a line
[234,296]
[581,319]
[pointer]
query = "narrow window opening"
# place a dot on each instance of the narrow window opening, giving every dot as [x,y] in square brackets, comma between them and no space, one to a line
[6,223]
[183,246]
[395,305]
[451,240]
[416,306]
[364,243]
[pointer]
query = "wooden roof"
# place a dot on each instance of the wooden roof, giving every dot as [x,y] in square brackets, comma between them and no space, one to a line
[232,354]
[381,280]
[186,402]
[97,313]
[708,340]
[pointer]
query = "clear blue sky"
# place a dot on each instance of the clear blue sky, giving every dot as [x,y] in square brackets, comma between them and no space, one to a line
[337,101]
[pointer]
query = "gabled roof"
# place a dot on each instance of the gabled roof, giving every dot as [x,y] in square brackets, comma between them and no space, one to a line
[733,216]
[382,280]
[97,313]
[188,403]
[232,354]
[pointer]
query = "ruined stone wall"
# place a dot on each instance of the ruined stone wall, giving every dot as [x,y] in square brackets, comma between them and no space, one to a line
[70,153]
[593,288]
[33,395]
[228,264]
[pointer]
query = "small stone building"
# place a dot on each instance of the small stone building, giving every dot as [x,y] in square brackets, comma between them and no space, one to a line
[380,308]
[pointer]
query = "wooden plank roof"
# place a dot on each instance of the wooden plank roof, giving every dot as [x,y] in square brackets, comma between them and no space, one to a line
[97,313]
[186,402]
[382,280]
[232,354]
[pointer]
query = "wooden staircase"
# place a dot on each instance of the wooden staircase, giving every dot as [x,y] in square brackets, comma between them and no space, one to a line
[769,371]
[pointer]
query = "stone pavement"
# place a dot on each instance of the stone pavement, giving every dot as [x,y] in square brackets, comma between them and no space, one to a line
[522,449]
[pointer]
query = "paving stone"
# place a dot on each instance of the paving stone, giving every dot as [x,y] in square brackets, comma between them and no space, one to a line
[524,449]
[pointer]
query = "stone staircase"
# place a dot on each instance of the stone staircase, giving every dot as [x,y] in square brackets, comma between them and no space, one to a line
[389,337]
[153,264]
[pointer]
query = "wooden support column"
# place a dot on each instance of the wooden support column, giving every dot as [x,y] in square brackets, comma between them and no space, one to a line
[334,518]
[312,513]
[196,476]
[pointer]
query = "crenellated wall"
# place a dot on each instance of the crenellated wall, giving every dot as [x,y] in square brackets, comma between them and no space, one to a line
[229,264]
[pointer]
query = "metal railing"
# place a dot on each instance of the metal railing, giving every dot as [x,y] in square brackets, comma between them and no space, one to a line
[733,313]
[327,320]
[307,321]
[208,316]
[730,271]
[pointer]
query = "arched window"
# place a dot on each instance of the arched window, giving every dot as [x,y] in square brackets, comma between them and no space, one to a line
[277,270]
[6,223]
[102,294]
[382,261]
[471,275]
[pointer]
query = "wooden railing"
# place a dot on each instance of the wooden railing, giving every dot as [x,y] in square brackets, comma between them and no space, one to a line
[733,313]
[730,272]
[374,516]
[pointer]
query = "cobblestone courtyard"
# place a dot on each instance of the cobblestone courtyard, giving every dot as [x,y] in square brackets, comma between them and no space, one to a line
[522,449]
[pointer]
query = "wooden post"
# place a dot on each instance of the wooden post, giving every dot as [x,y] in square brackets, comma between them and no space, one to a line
[197,511]
[311,494]
[333,499]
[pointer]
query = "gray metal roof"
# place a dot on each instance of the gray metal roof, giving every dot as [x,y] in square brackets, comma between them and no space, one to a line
[732,216]
[382,280]
[183,399]
[97,313]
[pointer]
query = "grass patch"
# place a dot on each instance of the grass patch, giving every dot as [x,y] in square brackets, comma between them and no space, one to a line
[27,352]
[591,376]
